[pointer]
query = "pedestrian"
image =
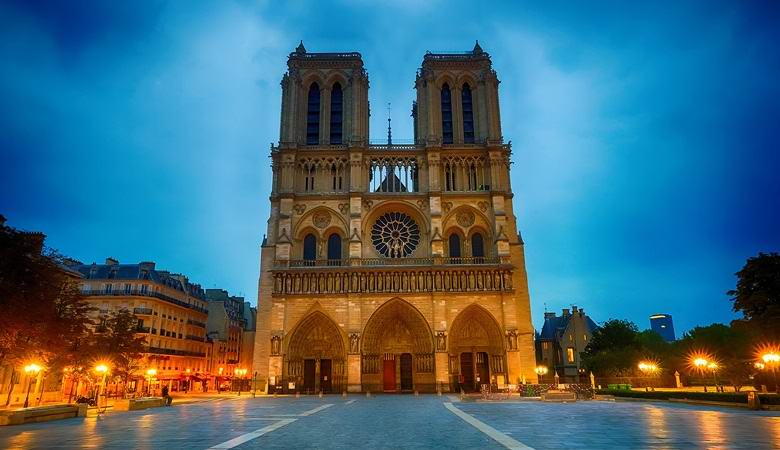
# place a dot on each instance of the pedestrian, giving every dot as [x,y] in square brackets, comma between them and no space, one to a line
[167,399]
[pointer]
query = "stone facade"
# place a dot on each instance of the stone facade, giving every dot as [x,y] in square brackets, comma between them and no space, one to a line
[392,267]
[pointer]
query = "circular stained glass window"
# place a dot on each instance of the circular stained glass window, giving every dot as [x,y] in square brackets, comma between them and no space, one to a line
[395,235]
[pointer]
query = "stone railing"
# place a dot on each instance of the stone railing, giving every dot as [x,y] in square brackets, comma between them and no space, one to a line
[450,279]
[391,262]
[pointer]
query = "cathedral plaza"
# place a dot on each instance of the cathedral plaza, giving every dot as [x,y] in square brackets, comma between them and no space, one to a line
[406,421]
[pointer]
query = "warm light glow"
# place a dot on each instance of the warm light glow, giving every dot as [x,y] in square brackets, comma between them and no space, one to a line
[101,368]
[771,358]
[713,366]
[32,368]
[541,370]
[648,366]
[759,365]
[700,362]
[220,370]
[239,372]
[151,372]
[188,370]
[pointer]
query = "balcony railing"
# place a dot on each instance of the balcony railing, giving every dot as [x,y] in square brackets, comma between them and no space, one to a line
[196,323]
[392,262]
[195,338]
[139,293]
[142,330]
[171,351]
[142,311]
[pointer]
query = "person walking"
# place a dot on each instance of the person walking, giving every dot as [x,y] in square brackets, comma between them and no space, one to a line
[166,397]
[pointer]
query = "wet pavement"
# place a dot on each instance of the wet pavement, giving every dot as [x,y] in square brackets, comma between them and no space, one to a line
[405,421]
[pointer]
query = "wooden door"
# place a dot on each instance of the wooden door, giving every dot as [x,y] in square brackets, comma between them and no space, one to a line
[483,370]
[326,375]
[406,372]
[309,369]
[467,371]
[389,375]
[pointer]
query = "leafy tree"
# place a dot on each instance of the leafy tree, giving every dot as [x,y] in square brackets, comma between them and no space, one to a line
[730,346]
[118,342]
[613,349]
[757,294]
[42,310]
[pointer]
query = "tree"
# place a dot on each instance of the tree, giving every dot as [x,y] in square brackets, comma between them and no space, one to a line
[730,346]
[613,349]
[43,315]
[118,342]
[757,294]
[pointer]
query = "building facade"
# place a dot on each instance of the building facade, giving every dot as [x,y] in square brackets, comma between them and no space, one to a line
[663,325]
[562,341]
[227,325]
[392,267]
[172,315]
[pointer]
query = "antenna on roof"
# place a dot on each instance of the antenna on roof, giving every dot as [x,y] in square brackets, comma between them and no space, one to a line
[389,128]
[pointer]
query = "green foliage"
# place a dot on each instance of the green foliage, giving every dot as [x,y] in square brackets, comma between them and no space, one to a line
[617,347]
[730,346]
[43,315]
[757,294]
[118,342]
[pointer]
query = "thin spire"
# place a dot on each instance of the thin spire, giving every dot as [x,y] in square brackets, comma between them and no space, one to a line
[389,128]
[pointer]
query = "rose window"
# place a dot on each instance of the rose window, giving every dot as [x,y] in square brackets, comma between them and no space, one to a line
[395,235]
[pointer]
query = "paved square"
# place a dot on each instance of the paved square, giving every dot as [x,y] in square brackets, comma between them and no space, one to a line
[405,421]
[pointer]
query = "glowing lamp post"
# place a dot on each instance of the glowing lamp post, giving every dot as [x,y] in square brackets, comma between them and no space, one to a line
[31,370]
[541,371]
[240,374]
[150,374]
[648,368]
[101,369]
[713,367]
[772,360]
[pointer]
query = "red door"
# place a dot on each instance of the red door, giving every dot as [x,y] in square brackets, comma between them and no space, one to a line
[389,374]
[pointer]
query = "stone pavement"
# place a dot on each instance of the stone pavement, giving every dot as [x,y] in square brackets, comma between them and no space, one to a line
[405,421]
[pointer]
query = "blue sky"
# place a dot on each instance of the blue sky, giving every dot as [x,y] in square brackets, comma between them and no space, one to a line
[645,136]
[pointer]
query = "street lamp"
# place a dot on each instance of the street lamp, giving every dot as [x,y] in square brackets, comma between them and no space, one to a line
[648,368]
[150,374]
[31,370]
[240,374]
[101,369]
[713,366]
[772,359]
[541,371]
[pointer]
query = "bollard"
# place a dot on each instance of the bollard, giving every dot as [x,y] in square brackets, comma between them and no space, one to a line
[297,395]
[320,394]
[344,394]
[368,394]
[416,394]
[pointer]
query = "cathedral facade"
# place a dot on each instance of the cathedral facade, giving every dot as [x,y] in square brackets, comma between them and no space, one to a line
[391,267]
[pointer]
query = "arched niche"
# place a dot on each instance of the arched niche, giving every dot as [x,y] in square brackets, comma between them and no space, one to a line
[315,355]
[476,349]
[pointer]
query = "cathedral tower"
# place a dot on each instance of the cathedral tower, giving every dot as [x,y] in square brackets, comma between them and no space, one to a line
[393,267]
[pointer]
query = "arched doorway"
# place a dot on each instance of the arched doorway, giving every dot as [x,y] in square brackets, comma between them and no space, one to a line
[476,350]
[315,356]
[397,351]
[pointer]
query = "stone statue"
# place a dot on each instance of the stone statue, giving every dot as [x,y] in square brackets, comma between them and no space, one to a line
[276,345]
[441,341]
[354,343]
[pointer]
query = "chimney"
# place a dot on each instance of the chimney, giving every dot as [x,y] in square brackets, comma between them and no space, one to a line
[566,312]
[549,315]
[146,265]
[111,261]
[573,308]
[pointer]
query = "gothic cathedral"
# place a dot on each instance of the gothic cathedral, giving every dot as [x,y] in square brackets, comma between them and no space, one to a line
[392,267]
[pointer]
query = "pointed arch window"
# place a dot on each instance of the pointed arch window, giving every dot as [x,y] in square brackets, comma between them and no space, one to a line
[334,250]
[477,247]
[313,116]
[310,248]
[468,115]
[454,244]
[336,114]
[446,114]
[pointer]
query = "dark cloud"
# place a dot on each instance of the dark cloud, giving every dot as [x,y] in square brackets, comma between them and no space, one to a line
[645,134]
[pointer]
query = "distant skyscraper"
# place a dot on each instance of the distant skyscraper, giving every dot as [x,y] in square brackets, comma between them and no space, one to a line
[662,324]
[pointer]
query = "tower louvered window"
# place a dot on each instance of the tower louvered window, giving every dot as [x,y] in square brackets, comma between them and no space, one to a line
[336,114]
[446,114]
[468,115]
[313,116]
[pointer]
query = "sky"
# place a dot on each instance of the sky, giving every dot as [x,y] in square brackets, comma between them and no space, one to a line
[645,135]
